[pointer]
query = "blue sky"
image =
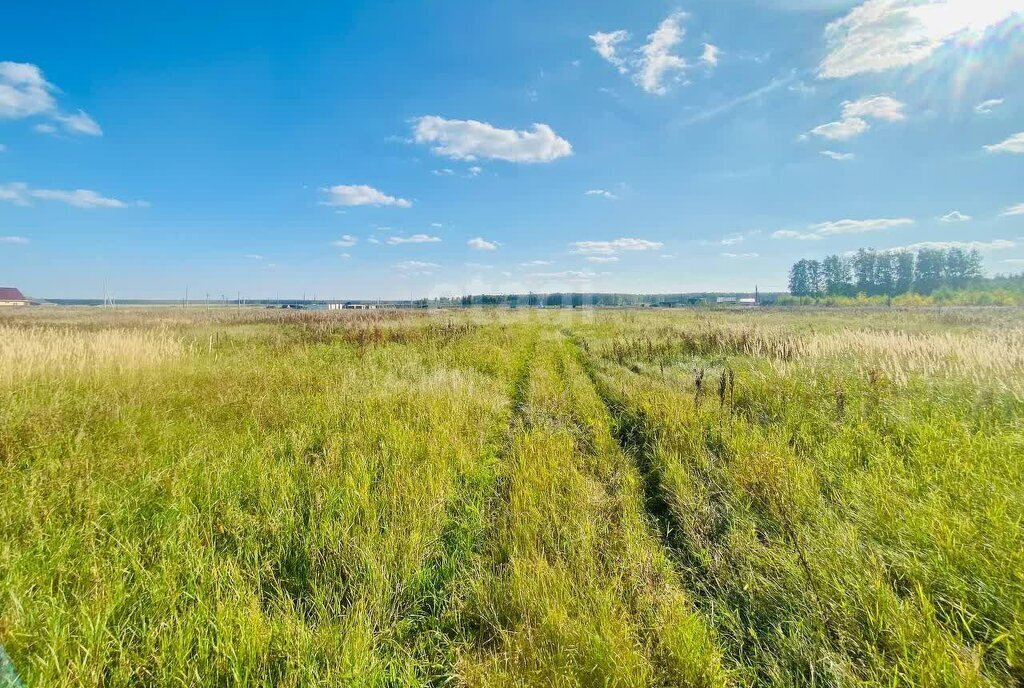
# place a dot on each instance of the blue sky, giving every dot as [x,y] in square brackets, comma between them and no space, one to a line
[368,149]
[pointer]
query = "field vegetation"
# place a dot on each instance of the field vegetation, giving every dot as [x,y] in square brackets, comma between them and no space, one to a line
[797,497]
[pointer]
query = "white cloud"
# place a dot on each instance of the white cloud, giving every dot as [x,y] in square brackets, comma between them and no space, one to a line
[535,263]
[607,248]
[13,240]
[878,107]
[446,172]
[842,130]
[25,92]
[858,226]
[994,245]
[605,44]
[481,244]
[20,193]
[710,55]
[656,58]
[252,256]
[360,194]
[791,234]
[954,216]
[346,241]
[437,225]
[600,192]
[1012,210]
[711,113]
[44,128]
[880,35]
[470,140]
[569,275]
[1014,144]
[838,156]
[740,255]
[416,267]
[373,240]
[475,171]
[80,123]
[655,62]
[986,107]
[414,239]
[602,259]
[479,266]
[667,255]
[346,256]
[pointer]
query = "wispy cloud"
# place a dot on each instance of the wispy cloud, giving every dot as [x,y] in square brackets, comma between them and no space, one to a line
[841,130]
[600,192]
[655,64]
[955,216]
[607,248]
[253,256]
[25,92]
[602,259]
[728,106]
[994,245]
[467,139]
[1013,210]
[413,239]
[360,194]
[881,35]
[741,255]
[1014,144]
[20,193]
[839,227]
[838,156]
[13,240]
[877,107]
[986,107]
[346,241]
[710,55]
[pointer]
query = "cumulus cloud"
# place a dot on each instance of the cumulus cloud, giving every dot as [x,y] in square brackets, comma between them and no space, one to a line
[346,241]
[986,107]
[13,240]
[954,216]
[710,55]
[20,193]
[606,45]
[655,63]
[469,140]
[413,239]
[474,171]
[1014,144]
[1013,210]
[600,192]
[880,35]
[877,107]
[360,194]
[842,130]
[838,156]
[25,92]
[481,244]
[608,248]
[602,259]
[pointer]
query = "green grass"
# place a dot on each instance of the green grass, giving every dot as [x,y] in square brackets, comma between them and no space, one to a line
[513,498]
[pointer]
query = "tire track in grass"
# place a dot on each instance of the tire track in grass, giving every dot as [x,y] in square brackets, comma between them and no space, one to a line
[435,627]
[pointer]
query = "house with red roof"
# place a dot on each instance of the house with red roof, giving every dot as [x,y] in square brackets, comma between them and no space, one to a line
[10,296]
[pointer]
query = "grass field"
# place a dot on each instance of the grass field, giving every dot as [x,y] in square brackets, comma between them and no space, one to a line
[512,498]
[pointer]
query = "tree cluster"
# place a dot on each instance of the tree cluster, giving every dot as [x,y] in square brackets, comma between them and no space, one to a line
[885,273]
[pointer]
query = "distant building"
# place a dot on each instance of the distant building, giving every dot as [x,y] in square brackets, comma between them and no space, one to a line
[726,299]
[350,306]
[10,296]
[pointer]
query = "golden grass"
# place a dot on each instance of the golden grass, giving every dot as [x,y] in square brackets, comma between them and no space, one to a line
[27,352]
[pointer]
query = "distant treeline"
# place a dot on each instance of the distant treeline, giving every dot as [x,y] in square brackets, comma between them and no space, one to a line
[886,273]
[579,299]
